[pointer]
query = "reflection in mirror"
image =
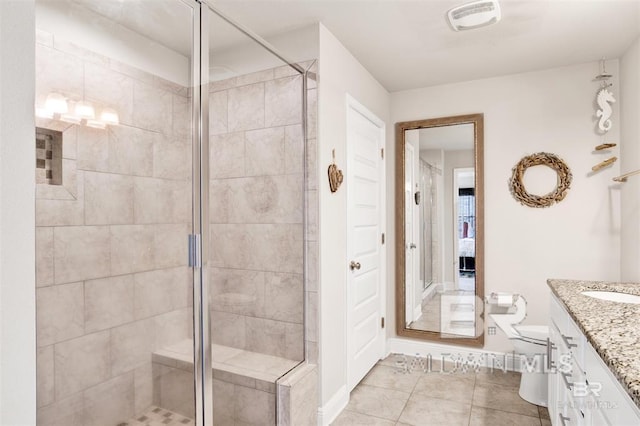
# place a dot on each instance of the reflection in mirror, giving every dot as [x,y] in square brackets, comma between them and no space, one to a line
[438,286]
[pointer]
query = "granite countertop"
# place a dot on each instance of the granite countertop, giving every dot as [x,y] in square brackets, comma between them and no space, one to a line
[611,327]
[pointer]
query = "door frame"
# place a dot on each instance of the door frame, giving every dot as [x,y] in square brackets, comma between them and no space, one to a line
[456,211]
[353,104]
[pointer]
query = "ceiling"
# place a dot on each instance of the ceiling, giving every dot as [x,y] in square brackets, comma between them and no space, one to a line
[408,44]
[454,138]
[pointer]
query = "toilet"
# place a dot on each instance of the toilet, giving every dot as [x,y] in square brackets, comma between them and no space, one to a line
[530,342]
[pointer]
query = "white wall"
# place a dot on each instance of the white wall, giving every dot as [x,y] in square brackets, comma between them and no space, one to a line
[17,216]
[553,111]
[340,74]
[629,161]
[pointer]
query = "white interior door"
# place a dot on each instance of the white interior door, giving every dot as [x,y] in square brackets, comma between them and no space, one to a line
[366,259]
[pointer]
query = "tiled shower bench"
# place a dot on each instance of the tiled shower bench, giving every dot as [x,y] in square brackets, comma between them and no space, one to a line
[244,385]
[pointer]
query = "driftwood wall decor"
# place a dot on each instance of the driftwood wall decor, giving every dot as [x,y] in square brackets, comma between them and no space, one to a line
[540,159]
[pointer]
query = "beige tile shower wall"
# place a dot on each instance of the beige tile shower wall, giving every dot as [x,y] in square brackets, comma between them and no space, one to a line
[257,198]
[112,278]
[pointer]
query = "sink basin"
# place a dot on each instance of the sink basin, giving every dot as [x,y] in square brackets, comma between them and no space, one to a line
[613,296]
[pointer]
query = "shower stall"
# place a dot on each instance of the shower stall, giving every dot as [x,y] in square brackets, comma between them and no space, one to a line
[430,256]
[175,232]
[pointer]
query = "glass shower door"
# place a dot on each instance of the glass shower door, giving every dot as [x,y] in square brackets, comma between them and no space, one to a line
[255,256]
[115,115]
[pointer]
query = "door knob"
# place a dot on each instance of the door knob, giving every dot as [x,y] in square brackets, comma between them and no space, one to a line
[354,265]
[412,246]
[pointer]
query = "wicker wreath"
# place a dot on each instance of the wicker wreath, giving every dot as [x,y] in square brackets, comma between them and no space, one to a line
[540,159]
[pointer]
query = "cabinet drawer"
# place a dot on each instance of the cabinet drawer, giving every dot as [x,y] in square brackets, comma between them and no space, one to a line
[575,341]
[574,385]
[572,338]
[570,417]
[558,314]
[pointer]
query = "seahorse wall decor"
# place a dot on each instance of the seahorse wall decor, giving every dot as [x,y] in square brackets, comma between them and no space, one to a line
[604,98]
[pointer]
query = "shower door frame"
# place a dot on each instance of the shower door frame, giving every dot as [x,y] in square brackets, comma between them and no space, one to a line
[203,375]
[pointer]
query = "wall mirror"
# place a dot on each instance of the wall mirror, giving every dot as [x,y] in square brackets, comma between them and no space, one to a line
[439,228]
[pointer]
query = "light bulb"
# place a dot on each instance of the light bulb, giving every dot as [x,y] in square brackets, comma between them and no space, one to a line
[56,103]
[85,110]
[43,113]
[110,116]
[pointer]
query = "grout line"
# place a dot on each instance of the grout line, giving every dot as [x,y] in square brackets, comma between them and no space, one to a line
[369,415]
[538,416]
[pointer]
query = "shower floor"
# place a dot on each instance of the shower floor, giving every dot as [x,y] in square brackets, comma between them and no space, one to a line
[156,416]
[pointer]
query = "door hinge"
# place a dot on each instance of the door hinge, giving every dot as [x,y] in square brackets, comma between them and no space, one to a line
[383,238]
[195,253]
[382,153]
[382,322]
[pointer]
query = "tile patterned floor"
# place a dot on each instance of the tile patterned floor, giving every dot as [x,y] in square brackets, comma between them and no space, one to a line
[156,416]
[389,397]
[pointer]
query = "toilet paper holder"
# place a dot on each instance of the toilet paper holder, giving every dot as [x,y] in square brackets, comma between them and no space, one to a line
[501,302]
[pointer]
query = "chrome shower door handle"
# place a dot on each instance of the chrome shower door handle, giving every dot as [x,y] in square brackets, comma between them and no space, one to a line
[354,265]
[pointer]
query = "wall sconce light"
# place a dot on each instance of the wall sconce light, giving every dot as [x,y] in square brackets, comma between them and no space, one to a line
[43,113]
[56,103]
[71,118]
[57,106]
[110,116]
[85,110]
[96,124]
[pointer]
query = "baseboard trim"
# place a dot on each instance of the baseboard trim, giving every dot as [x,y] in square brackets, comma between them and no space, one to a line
[449,352]
[330,411]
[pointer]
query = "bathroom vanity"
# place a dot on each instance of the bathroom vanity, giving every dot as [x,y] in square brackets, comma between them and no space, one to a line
[594,355]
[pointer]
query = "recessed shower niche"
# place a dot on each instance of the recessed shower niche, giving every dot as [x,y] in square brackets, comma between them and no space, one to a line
[48,157]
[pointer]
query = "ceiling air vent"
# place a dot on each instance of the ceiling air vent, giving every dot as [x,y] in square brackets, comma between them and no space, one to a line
[474,15]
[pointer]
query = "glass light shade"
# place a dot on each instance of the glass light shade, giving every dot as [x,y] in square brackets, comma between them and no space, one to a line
[110,116]
[96,124]
[85,110]
[43,113]
[56,103]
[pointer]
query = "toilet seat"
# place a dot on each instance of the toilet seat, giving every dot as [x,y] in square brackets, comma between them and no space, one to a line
[536,334]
